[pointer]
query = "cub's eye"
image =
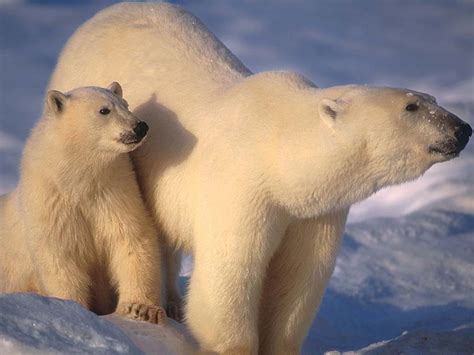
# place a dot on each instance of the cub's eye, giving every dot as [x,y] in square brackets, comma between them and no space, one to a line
[104,111]
[411,107]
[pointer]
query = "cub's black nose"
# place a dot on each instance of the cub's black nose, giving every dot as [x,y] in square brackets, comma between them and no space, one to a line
[462,133]
[141,129]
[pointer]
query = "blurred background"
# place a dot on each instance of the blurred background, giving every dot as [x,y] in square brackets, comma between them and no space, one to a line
[410,270]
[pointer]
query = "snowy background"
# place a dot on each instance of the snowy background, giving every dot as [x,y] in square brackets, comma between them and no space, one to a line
[405,278]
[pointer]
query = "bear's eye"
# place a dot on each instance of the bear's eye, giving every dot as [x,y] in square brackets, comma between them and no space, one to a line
[411,107]
[104,111]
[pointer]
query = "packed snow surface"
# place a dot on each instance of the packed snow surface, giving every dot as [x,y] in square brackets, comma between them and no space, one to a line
[404,283]
[30,323]
[412,273]
[456,341]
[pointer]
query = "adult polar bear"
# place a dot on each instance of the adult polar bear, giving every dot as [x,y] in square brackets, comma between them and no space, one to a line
[254,174]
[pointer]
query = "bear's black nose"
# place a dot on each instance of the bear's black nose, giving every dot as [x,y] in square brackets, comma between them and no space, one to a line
[462,133]
[141,129]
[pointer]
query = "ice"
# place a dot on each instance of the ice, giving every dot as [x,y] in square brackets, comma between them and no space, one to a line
[411,273]
[173,338]
[34,324]
[451,342]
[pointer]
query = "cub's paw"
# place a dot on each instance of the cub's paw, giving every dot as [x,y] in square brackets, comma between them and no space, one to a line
[148,313]
[174,310]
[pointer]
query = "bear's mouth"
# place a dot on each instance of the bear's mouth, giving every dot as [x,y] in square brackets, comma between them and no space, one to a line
[130,139]
[449,150]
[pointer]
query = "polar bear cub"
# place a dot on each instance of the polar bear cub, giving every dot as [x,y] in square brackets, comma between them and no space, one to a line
[76,226]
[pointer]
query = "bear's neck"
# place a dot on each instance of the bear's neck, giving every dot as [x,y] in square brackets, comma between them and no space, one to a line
[332,186]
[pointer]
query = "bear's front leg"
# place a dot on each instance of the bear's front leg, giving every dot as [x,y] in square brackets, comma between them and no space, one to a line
[59,244]
[296,279]
[62,276]
[230,259]
[135,267]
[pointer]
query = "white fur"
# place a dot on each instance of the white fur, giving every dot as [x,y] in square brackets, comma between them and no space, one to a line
[76,226]
[251,173]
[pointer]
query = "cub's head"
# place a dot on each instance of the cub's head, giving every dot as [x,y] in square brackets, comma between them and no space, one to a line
[97,118]
[401,132]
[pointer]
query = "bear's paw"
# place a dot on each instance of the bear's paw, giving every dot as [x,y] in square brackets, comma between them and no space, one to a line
[149,313]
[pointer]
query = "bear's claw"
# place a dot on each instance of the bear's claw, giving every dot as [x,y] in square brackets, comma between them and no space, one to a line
[143,312]
[174,311]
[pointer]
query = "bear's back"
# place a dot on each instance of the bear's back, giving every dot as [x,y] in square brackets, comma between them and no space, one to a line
[173,55]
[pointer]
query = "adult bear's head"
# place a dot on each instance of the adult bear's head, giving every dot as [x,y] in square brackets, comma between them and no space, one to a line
[402,132]
[327,148]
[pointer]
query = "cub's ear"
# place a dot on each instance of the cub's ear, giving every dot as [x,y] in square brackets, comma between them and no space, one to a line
[329,110]
[55,101]
[116,89]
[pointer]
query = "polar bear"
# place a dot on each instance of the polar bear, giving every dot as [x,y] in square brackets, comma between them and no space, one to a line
[253,174]
[76,226]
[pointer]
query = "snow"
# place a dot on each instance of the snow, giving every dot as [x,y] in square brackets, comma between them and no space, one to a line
[412,273]
[33,324]
[403,282]
[455,341]
[171,338]
[30,324]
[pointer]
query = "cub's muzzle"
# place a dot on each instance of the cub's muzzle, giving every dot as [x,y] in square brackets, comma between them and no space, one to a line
[139,132]
[141,129]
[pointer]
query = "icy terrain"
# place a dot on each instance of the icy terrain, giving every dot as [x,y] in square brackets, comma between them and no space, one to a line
[30,323]
[403,282]
[34,324]
[413,273]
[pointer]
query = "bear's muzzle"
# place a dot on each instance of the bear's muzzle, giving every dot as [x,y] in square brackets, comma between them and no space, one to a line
[456,141]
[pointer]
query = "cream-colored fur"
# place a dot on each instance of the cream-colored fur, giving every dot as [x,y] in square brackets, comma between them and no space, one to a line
[76,226]
[253,174]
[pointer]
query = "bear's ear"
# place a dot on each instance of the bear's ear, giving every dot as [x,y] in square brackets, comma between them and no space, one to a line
[329,110]
[55,101]
[116,89]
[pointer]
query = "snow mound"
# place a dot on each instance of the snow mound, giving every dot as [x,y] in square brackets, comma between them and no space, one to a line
[456,342]
[33,324]
[152,339]
[412,273]
[417,260]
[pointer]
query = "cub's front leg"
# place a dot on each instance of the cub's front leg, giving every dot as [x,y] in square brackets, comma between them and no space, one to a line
[135,263]
[60,276]
[136,270]
[61,259]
